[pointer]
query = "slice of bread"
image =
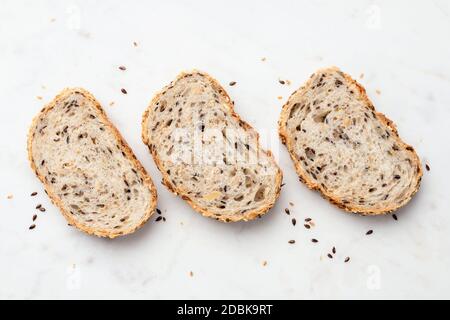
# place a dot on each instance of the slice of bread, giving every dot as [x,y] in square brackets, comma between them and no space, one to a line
[206,153]
[346,150]
[87,168]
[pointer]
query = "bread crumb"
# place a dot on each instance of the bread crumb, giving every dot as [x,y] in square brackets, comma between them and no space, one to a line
[378,91]
[264,263]
[9,196]
[111,103]
[39,97]
[279,97]
[288,82]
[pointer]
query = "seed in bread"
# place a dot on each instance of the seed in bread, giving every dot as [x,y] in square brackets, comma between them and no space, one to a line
[87,168]
[206,153]
[342,147]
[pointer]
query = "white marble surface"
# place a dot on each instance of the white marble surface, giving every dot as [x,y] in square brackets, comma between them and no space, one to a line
[403,49]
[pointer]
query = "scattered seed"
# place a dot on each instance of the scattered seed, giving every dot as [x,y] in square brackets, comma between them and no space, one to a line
[394,216]
[378,91]
[158,219]
[158,211]
[135,44]
[191,274]
[294,222]
[32,227]
[312,224]
[123,91]
[287,211]
[34,217]
[164,219]
[264,263]
[232,83]
[291,241]
[307,226]
[369,232]
[263,59]
[281,81]
[334,250]
[111,103]
[9,196]
[291,204]
[282,185]
[427,167]
[347,259]
[42,209]
[123,68]
[361,75]
[308,219]
[33,194]
[330,256]
[314,240]
[38,206]
[279,97]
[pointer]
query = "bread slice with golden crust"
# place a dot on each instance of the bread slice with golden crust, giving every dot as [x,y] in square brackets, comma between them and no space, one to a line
[87,168]
[206,153]
[346,150]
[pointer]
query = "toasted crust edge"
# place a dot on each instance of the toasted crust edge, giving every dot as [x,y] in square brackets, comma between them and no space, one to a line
[380,116]
[125,147]
[204,211]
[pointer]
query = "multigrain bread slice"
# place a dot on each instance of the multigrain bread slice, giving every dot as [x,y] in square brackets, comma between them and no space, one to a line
[346,150]
[206,153]
[87,168]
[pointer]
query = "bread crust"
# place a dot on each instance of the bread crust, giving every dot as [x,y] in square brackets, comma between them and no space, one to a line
[124,147]
[250,215]
[314,186]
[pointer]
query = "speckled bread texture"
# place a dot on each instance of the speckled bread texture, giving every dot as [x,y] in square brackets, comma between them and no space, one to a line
[345,149]
[87,168]
[206,153]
